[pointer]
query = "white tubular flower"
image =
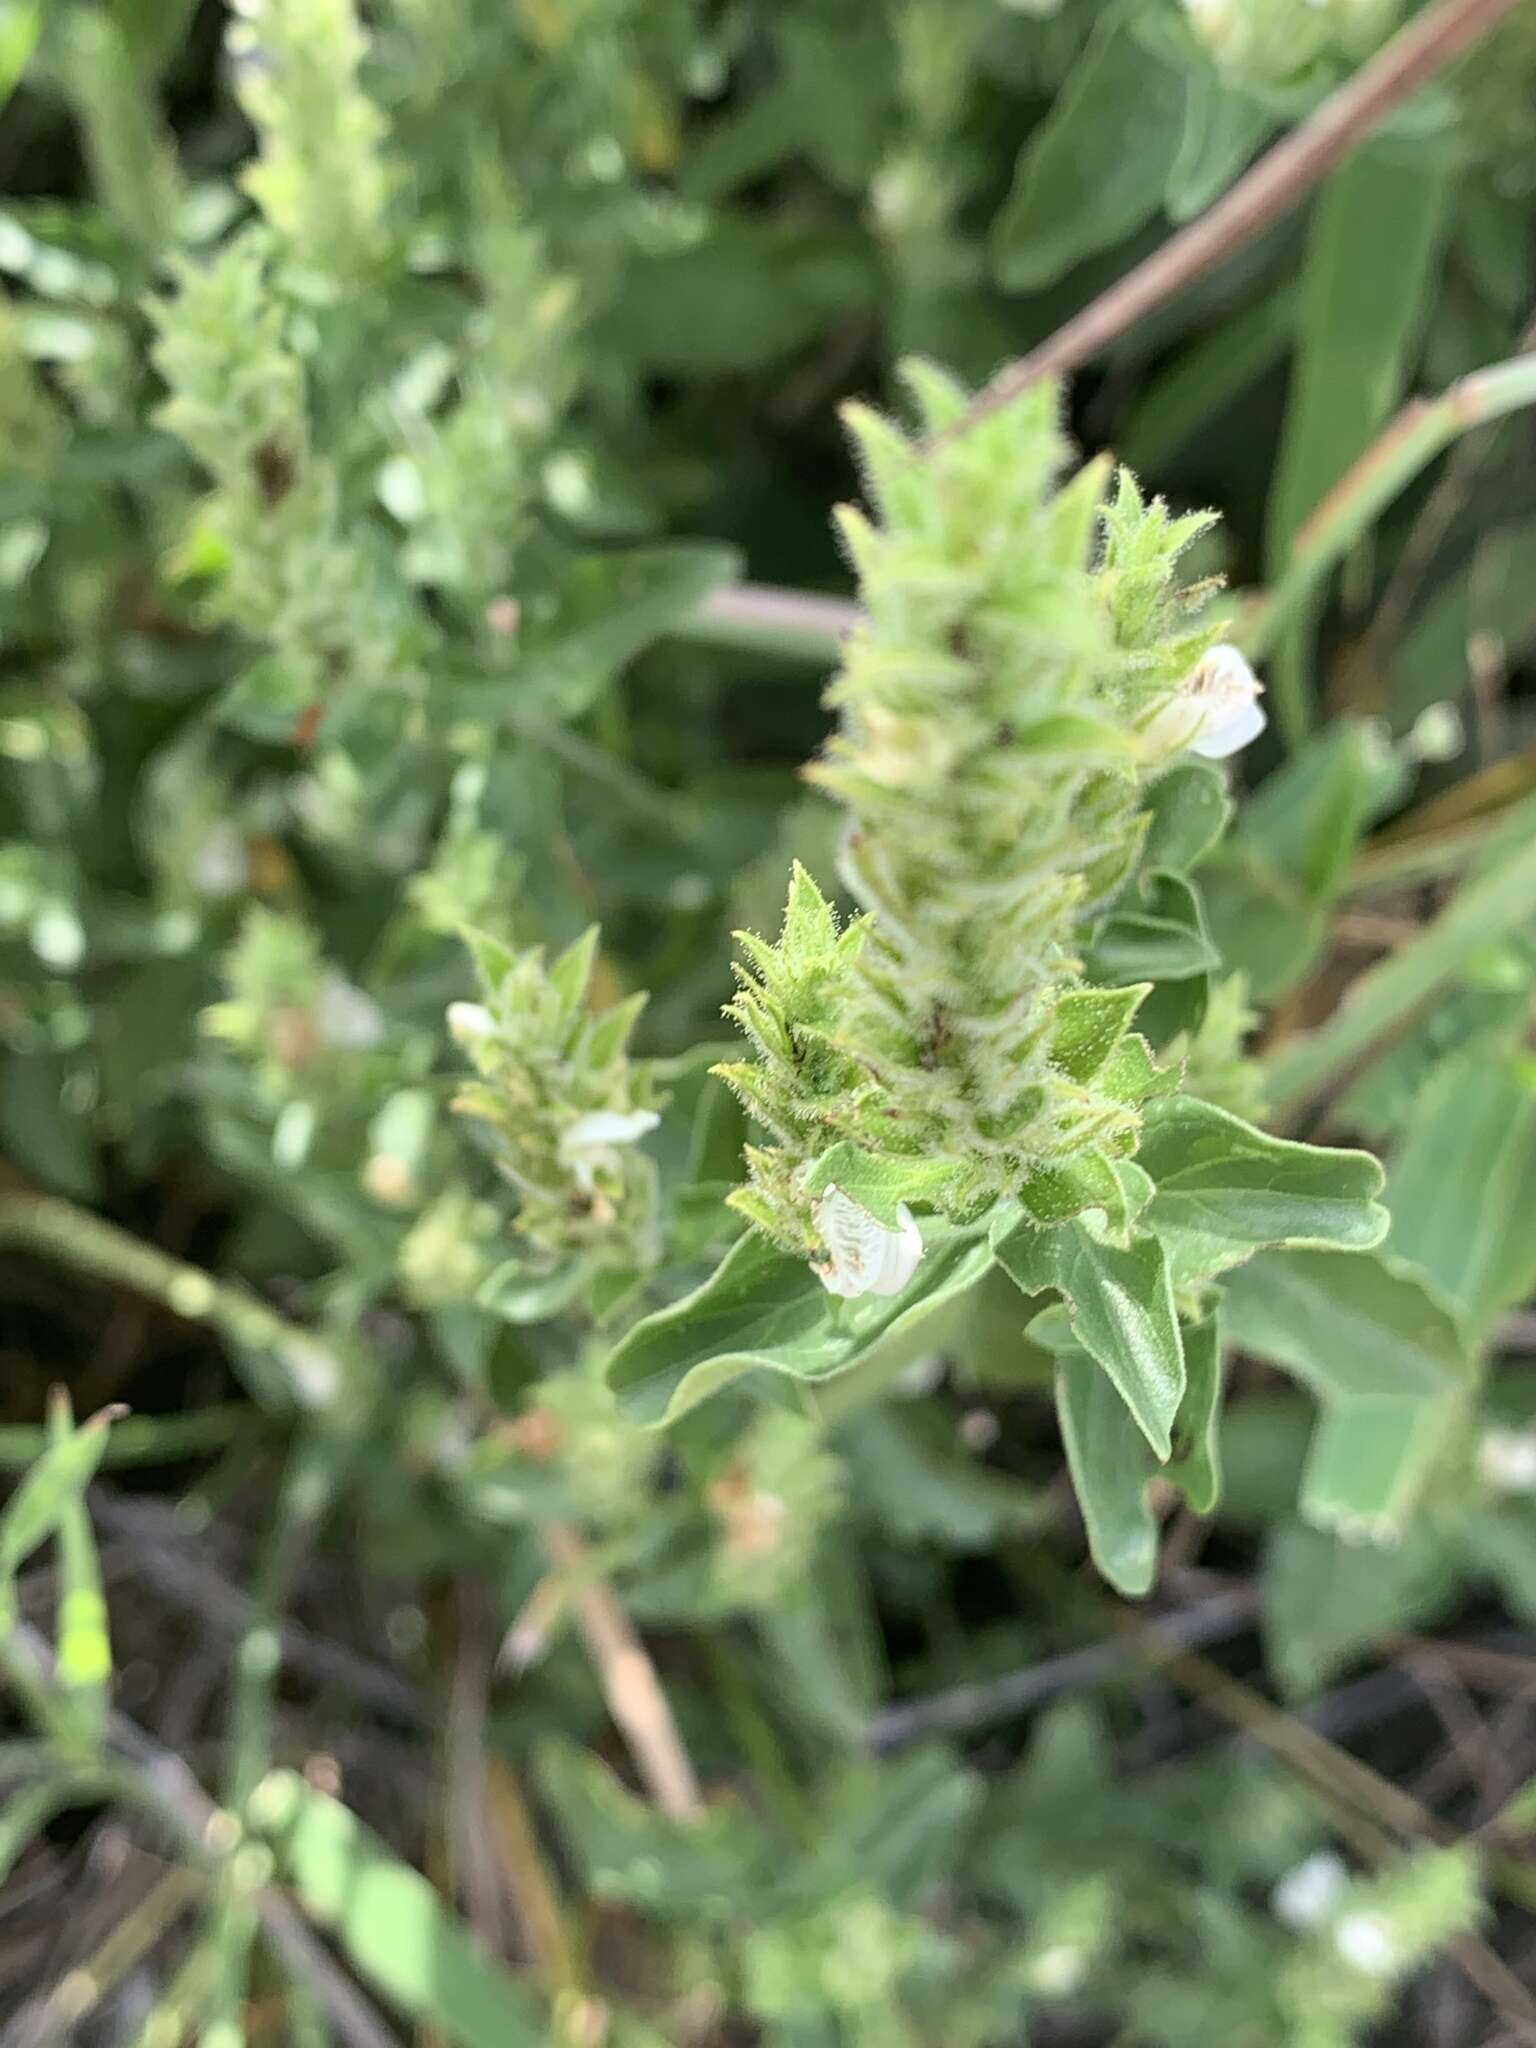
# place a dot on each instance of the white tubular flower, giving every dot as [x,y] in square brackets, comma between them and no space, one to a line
[864,1255]
[586,1144]
[468,1023]
[1216,712]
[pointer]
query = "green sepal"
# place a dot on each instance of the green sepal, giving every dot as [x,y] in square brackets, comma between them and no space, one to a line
[878,1183]
[1055,1194]
[1090,1025]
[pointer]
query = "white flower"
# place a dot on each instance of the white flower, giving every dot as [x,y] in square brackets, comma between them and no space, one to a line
[1217,710]
[1507,1459]
[468,1023]
[863,1255]
[1366,1941]
[1308,1893]
[590,1141]
[347,1018]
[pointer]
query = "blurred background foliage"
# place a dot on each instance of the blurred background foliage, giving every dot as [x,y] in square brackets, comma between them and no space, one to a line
[391,400]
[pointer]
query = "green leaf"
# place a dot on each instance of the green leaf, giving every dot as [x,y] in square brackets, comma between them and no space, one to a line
[1095,167]
[1264,924]
[897,1825]
[1121,1309]
[1188,811]
[268,700]
[20,24]
[389,1922]
[1327,1602]
[1224,1188]
[1388,1360]
[1109,1464]
[1309,817]
[762,1308]
[517,1294]
[43,1499]
[1463,1182]
[1371,262]
[1160,939]
[1372,249]
[1195,1466]
[1367,1465]
[52,1146]
[630,1854]
[920,1486]
[1361,1327]
[1112,1464]
[1501,1546]
[744,295]
[611,607]
[1132,1075]
[83,1658]
[1223,126]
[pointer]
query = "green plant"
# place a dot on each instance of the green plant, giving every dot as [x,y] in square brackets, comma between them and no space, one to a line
[659,1444]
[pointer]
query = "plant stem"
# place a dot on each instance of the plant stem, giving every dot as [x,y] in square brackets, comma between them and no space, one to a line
[1422,430]
[1275,184]
[313,1370]
[141,1439]
[633,1691]
[760,618]
[804,626]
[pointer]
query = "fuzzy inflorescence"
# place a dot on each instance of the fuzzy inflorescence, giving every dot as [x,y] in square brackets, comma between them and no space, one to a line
[566,1102]
[1000,708]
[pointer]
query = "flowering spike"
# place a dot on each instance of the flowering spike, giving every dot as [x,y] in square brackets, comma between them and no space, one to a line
[1019,641]
[566,1103]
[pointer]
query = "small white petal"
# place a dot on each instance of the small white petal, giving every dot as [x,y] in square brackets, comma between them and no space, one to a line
[863,1255]
[1308,1893]
[585,1143]
[470,1022]
[600,1128]
[1216,741]
[1216,710]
